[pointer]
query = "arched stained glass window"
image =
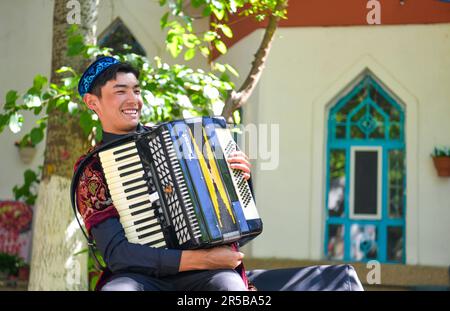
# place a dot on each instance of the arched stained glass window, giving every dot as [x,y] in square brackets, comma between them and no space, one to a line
[366,176]
[116,35]
[367,112]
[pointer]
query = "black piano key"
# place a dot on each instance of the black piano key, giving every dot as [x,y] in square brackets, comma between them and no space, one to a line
[138,222]
[131,172]
[123,150]
[148,226]
[128,165]
[141,211]
[136,195]
[132,181]
[145,235]
[126,156]
[139,204]
[136,188]
[155,242]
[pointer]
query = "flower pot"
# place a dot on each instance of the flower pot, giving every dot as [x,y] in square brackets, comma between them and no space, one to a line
[27,154]
[24,273]
[442,165]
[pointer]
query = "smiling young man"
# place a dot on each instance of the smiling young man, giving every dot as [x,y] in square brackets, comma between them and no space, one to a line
[111,89]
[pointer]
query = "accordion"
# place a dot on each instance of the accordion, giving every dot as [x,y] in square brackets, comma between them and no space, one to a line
[173,187]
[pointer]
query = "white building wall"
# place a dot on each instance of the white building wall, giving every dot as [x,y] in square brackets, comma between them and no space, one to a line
[26,49]
[307,68]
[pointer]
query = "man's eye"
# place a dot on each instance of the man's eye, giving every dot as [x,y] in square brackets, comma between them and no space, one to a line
[137,92]
[120,92]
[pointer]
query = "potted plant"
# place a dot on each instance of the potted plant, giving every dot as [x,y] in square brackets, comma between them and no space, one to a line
[27,150]
[8,265]
[441,160]
[23,269]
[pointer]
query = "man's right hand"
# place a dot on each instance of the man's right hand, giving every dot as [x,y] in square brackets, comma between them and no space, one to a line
[221,257]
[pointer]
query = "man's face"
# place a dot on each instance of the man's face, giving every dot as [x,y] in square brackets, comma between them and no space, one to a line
[119,107]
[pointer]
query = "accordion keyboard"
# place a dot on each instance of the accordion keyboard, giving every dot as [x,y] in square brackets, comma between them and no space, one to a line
[134,198]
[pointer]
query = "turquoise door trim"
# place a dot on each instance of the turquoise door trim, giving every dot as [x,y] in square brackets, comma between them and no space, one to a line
[390,114]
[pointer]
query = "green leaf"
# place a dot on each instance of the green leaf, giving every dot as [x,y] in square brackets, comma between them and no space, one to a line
[15,122]
[226,31]
[220,46]
[86,122]
[206,11]
[190,53]
[75,45]
[65,69]
[39,81]
[29,176]
[36,135]
[209,36]
[11,98]
[163,21]
[232,70]
[219,13]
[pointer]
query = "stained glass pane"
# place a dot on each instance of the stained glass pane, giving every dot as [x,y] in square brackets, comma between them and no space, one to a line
[389,109]
[379,132]
[363,242]
[340,131]
[336,190]
[394,131]
[355,132]
[335,247]
[352,104]
[396,177]
[116,35]
[358,114]
[395,244]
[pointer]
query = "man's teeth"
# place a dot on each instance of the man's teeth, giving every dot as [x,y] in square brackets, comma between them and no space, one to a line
[130,111]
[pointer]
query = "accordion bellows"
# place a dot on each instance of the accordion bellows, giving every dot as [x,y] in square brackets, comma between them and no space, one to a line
[173,186]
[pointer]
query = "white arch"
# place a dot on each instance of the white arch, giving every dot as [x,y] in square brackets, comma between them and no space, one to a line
[318,168]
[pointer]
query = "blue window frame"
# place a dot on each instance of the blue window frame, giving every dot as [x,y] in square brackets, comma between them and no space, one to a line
[366,176]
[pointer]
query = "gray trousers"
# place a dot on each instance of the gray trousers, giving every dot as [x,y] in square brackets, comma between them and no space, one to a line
[203,280]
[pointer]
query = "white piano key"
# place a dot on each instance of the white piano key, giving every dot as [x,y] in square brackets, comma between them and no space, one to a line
[120,185]
[128,212]
[110,151]
[134,169]
[119,180]
[130,223]
[146,239]
[138,199]
[156,236]
[119,193]
[108,160]
[121,168]
[115,163]
[151,224]
[131,234]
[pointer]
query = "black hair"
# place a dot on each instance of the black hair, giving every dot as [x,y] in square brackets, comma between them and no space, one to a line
[110,74]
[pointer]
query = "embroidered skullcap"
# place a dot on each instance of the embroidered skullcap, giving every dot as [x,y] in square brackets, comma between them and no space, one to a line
[93,71]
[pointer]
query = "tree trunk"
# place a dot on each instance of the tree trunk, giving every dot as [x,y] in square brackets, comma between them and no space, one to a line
[239,98]
[56,236]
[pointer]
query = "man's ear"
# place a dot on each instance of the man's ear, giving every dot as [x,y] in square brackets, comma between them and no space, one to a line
[91,101]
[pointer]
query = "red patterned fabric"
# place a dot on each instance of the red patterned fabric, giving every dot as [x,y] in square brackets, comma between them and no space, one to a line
[93,199]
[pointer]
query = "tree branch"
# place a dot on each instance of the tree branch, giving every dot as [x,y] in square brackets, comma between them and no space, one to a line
[239,98]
